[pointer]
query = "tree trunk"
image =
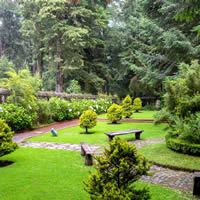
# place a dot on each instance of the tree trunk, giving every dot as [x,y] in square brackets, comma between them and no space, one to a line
[39,65]
[86,129]
[59,74]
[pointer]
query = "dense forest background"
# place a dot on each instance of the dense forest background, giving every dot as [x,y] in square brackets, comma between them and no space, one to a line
[113,47]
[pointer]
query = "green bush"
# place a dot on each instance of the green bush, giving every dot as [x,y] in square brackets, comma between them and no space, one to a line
[58,108]
[137,104]
[127,107]
[114,113]
[116,172]
[183,146]
[6,144]
[17,117]
[44,114]
[74,87]
[88,120]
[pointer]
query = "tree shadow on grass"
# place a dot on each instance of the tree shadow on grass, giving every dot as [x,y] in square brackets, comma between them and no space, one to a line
[5,163]
[110,123]
[88,133]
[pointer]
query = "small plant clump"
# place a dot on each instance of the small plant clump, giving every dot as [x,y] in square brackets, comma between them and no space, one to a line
[127,107]
[88,120]
[116,172]
[6,144]
[137,104]
[114,113]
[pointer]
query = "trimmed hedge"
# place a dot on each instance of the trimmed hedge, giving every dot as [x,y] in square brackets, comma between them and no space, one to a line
[183,147]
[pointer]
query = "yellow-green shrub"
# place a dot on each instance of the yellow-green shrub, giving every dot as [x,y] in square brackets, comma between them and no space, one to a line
[6,144]
[127,107]
[137,104]
[114,113]
[88,120]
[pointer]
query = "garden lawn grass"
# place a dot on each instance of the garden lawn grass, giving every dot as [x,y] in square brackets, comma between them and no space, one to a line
[44,174]
[160,154]
[144,114]
[73,135]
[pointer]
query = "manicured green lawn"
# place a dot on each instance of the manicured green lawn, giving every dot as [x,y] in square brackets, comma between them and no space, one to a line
[73,135]
[144,114]
[42,174]
[159,153]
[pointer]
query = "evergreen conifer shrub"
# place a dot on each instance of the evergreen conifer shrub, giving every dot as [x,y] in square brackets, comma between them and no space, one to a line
[137,104]
[114,113]
[88,120]
[127,107]
[6,144]
[116,172]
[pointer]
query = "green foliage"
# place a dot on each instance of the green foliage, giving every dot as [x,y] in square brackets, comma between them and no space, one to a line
[137,104]
[183,146]
[88,120]
[116,171]
[74,87]
[5,66]
[114,113]
[182,94]
[12,45]
[58,108]
[23,87]
[17,117]
[44,112]
[6,144]
[127,106]
[69,38]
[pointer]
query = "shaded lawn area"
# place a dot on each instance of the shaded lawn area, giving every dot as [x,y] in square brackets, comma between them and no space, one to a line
[159,153]
[96,136]
[144,114]
[55,174]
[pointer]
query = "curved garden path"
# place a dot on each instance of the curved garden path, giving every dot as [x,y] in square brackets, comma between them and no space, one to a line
[159,175]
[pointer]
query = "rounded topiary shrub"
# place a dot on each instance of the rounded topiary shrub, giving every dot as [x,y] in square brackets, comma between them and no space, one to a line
[88,120]
[17,117]
[6,144]
[127,107]
[117,169]
[137,104]
[114,113]
[183,146]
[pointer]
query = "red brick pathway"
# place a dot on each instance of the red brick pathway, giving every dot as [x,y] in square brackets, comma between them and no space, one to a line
[19,137]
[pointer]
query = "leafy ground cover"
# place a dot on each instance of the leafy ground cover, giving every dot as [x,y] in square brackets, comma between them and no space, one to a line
[159,153]
[55,174]
[96,136]
[144,114]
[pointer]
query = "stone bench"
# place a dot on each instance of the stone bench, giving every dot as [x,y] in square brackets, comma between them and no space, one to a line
[137,133]
[87,152]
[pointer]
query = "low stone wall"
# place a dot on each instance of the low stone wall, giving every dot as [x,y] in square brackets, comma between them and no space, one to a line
[47,95]
[3,94]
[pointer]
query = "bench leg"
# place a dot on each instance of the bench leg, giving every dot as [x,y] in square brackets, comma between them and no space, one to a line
[110,137]
[137,136]
[82,151]
[88,160]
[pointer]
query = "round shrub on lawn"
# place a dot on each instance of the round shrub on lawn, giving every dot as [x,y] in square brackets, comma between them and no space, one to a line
[17,117]
[115,113]
[6,144]
[88,120]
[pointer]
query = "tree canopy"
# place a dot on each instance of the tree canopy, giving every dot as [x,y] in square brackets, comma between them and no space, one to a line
[114,47]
